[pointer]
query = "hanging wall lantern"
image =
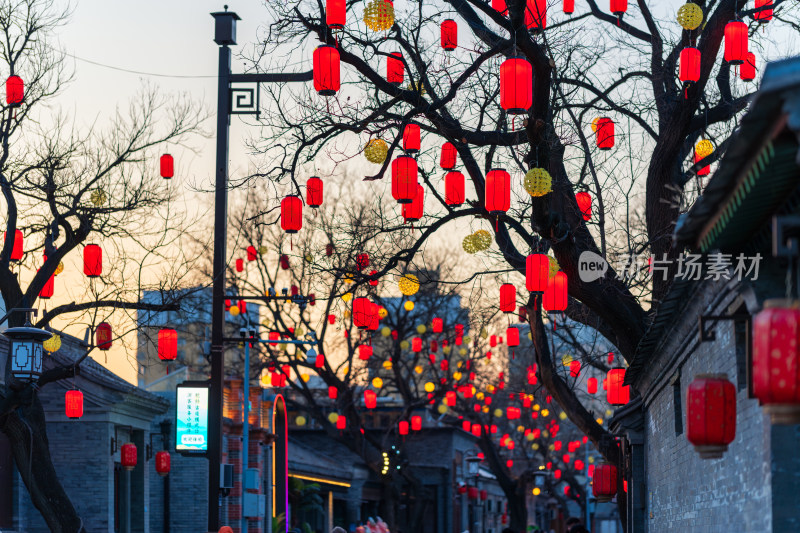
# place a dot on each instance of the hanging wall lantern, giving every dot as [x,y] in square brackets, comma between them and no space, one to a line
[584,200]
[711,414]
[291,214]
[616,392]
[15,91]
[512,337]
[604,482]
[335,14]
[498,192]
[163,461]
[411,138]
[555,296]
[404,179]
[128,456]
[508,298]
[326,70]
[747,72]
[103,336]
[73,404]
[413,212]
[314,191]
[604,134]
[167,344]
[92,260]
[689,65]
[26,351]
[735,42]
[448,157]
[454,188]
[449,35]
[776,360]
[395,70]
[516,85]
[167,166]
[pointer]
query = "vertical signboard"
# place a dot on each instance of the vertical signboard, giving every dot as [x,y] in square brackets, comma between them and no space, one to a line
[191,418]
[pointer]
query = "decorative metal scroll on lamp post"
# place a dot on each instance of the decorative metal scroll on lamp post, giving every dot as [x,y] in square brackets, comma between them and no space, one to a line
[230,101]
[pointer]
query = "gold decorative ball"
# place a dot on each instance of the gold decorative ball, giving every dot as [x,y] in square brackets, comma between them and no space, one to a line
[482,239]
[416,86]
[430,387]
[262,250]
[703,148]
[99,197]
[382,312]
[52,344]
[690,16]
[379,15]
[385,331]
[405,345]
[538,182]
[234,310]
[387,365]
[594,124]
[421,329]
[408,306]
[377,382]
[375,151]
[442,409]
[468,244]
[300,421]
[333,417]
[408,284]
[554,266]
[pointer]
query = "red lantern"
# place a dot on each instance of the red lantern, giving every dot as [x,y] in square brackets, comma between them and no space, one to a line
[416,423]
[326,70]
[498,192]
[48,288]
[764,14]
[403,427]
[450,398]
[516,85]
[618,7]
[162,463]
[555,296]
[569,7]
[284,261]
[500,6]
[711,414]
[574,368]
[404,179]
[747,72]
[411,138]
[776,361]
[291,214]
[314,191]
[341,423]
[493,341]
[364,352]
[584,200]
[512,337]
[362,261]
[103,336]
[689,69]
[15,91]
[413,212]
[373,278]
[395,71]
[361,312]
[333,392]
[449,35]
[167,344]
[92,260]
[370,399]
[335,14]
[240,265]
[616,393]
[508,298]
[448,158]
[73,404]
[591,385]
[604,482]
[252,253]
[472,493]
[437,325]
[536,14]
[537,272]
[736,42]
[167,164]
[416,344]
[17,249]
[604,134]
[128,456]
[454,188]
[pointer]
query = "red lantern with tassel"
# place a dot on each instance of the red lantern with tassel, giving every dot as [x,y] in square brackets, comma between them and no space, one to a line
[395,71]
[291,214]
[449,35]
[498,192]
[404,179]
[516,85]
[454,188]
[326,70]
[314,191]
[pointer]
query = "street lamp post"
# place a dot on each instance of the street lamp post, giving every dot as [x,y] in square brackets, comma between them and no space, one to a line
[474,469]
[225,36]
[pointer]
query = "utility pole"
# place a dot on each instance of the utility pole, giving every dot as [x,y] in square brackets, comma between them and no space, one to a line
[247,102]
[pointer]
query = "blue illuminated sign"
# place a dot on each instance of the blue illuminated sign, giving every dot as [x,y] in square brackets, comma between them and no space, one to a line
[192,418]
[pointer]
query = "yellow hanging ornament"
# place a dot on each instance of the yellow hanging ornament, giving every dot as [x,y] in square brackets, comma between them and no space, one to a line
[262,250]
[594,123]
[52,344]
[690,16]
[404,345]
[59,268]
[385,331]
[416,86]
[408,306]
[375,151]
[387,365]
[99,197]
[482,239]
[430,387]
[346,297]
[468,244]
[379,15]
[421,329]
[703,148]
[538,182]
[382,312]
[377,383]
[234,310]
[333,417]
[408,284]
[300,421]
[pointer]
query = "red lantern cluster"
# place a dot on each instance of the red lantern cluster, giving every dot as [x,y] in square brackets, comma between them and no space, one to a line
[689,65]
[711,414]
[92,260]
[404,179]
[776,361]
[604,482]
[616,392]
[362,261]
[326,70]
[736,42]
[395,71]
[73,404]
[604,134]
[163,461]
[15,91]
[555,296]
[516,85]
[413,212]
[448,158]
[291,214]
[314,191]
[335,14]
[411,138]
[128,456]
[454,188]
[449,35]
[103,336]
[584,201]
[498,191]
[167,344]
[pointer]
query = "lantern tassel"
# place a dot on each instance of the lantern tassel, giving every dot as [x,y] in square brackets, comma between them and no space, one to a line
[686,93]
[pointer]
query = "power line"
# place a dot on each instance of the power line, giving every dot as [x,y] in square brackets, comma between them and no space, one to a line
[141,73]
